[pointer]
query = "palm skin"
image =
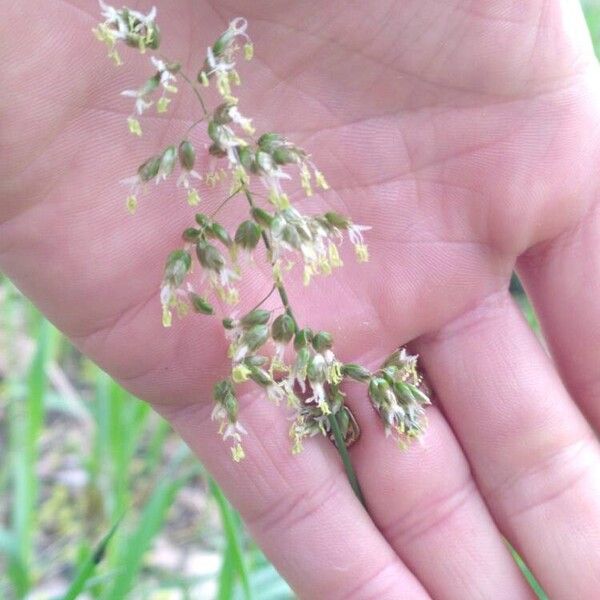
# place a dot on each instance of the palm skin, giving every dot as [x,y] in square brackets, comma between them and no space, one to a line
[467,137]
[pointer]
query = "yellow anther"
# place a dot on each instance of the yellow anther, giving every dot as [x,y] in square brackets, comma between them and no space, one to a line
[362,252]
[320,180]
[334,256]
[193,198]
[240,373]
[237,453]
[131,204]
[163,104]
[134,126]
[167,317]
[307,274]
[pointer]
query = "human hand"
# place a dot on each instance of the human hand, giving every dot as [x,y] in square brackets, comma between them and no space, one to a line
[466,135]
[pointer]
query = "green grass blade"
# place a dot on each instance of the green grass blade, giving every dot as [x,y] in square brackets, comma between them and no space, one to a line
[129,559]
[227,575]
[155,447]
[26,419]
[233,537]
[120,424]
[87,569]
[535,586]
[266,578]
[592,14]
[271,585]
[17,570]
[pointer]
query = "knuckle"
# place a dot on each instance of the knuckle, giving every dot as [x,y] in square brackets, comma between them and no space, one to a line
[383,583]
[298,506]
[421,518]
[545,479]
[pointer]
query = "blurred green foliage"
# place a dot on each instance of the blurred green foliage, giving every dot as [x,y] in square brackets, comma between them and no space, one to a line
[81,457]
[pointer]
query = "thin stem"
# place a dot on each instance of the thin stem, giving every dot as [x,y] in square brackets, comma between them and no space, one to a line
[189,81]
[198,95]
[278,284]
[194,125]
[265,298]
[234,193]
[214,213]
[340,444]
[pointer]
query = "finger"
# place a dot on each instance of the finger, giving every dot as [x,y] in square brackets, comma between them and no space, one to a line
[426,504]
[563,280]
[533,455]
[300,509]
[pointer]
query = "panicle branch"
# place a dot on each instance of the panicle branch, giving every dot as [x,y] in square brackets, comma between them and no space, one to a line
[267,348]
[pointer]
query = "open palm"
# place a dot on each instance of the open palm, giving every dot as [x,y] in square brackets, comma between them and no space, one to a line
[466,134]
